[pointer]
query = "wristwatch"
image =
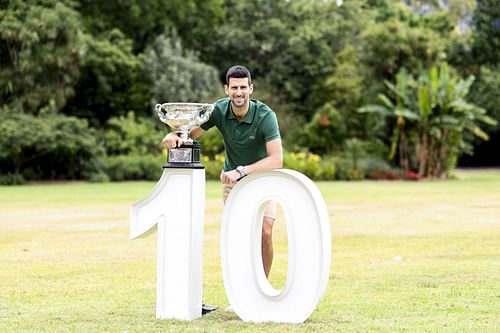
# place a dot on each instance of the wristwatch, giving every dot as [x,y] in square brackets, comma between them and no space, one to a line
[241,170]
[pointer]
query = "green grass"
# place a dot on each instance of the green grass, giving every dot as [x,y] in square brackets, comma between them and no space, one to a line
[407,256]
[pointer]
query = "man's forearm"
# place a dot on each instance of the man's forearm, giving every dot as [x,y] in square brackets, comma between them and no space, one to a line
[267,163]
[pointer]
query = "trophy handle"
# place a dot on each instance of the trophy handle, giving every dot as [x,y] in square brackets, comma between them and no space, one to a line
[203,116]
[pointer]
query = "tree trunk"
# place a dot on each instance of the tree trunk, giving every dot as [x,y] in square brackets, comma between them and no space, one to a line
[403,152]
[443,152]
[431,162]
[422,155]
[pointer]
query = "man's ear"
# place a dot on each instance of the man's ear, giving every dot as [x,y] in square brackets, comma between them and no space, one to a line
[226,89]
[251,88]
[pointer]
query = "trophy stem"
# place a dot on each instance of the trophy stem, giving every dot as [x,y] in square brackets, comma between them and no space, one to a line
[184,134]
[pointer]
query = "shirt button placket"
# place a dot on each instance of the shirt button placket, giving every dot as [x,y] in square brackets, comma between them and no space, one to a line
[237,131]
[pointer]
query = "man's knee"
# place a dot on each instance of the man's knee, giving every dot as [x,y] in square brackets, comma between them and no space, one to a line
[267,227]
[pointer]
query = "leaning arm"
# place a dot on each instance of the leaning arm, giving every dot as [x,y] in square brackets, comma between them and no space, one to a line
[274,159]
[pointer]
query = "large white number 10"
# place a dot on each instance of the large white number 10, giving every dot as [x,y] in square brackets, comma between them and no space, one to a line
[176,206]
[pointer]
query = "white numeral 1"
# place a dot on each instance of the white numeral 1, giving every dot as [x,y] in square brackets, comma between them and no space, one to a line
[176,206]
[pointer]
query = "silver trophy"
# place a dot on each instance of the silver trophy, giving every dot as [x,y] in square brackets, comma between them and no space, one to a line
[182,117]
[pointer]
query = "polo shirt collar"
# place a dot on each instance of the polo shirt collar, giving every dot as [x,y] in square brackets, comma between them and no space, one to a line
[248,117]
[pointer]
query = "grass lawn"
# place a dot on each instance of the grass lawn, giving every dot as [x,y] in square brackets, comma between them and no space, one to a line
[407,256]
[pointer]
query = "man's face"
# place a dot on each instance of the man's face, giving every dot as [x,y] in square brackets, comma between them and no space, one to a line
[239,91]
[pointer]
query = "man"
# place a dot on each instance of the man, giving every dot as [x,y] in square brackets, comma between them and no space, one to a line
[251,139]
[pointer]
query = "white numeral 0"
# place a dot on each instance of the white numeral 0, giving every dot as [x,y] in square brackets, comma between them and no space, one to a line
[309,247]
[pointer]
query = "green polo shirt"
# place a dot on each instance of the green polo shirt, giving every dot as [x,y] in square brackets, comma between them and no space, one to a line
[245,141]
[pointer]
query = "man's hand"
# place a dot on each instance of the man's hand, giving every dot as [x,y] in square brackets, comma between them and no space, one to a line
[172,140]
[229,177]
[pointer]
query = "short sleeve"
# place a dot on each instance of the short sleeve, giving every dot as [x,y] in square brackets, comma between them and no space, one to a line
[214,117]
[270,128]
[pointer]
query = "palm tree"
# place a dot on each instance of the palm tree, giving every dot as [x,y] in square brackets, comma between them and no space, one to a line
[405,117]
[435,105]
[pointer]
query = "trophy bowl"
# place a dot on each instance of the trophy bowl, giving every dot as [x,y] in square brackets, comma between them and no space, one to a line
[184,116]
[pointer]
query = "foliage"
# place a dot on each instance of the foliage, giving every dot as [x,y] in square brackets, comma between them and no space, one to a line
[484,92]
[11,179]
[46,147]
[132,135]
[486,36]
[391,45]
[432,115]
[132,167]
[310,164]
[133,150]
[350,164]
[345,89]
[113,76]
[325,132]
[291,46]
[141,21]
[176,74]
[45,47]
[313,62]
[212,143]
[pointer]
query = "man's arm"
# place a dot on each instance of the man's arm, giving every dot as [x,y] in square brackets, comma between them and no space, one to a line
[172,139]
[274,160]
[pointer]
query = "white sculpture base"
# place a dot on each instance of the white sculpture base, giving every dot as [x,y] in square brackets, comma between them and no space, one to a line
[176,208]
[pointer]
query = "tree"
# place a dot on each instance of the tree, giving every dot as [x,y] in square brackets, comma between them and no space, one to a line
[486,35]
[290,47]
[42,49]
[176,74]
[112,80]
[391,45]
[346,90]
[143,20]
[397,108]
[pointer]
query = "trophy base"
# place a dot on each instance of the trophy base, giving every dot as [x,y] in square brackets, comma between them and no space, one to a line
[187,156]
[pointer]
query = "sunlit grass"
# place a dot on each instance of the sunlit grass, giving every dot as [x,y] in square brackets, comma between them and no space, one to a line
[407,256]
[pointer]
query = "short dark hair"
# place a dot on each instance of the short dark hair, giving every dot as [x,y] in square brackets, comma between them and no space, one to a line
[238,71]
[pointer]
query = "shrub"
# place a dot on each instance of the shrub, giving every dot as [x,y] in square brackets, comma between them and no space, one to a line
[346,170]
[311,165]
[48,146]
[133,135]
[99,177]
[11,179]
[133,167]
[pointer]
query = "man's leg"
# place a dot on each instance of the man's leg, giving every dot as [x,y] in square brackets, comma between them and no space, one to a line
[267,243]
[267,236]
